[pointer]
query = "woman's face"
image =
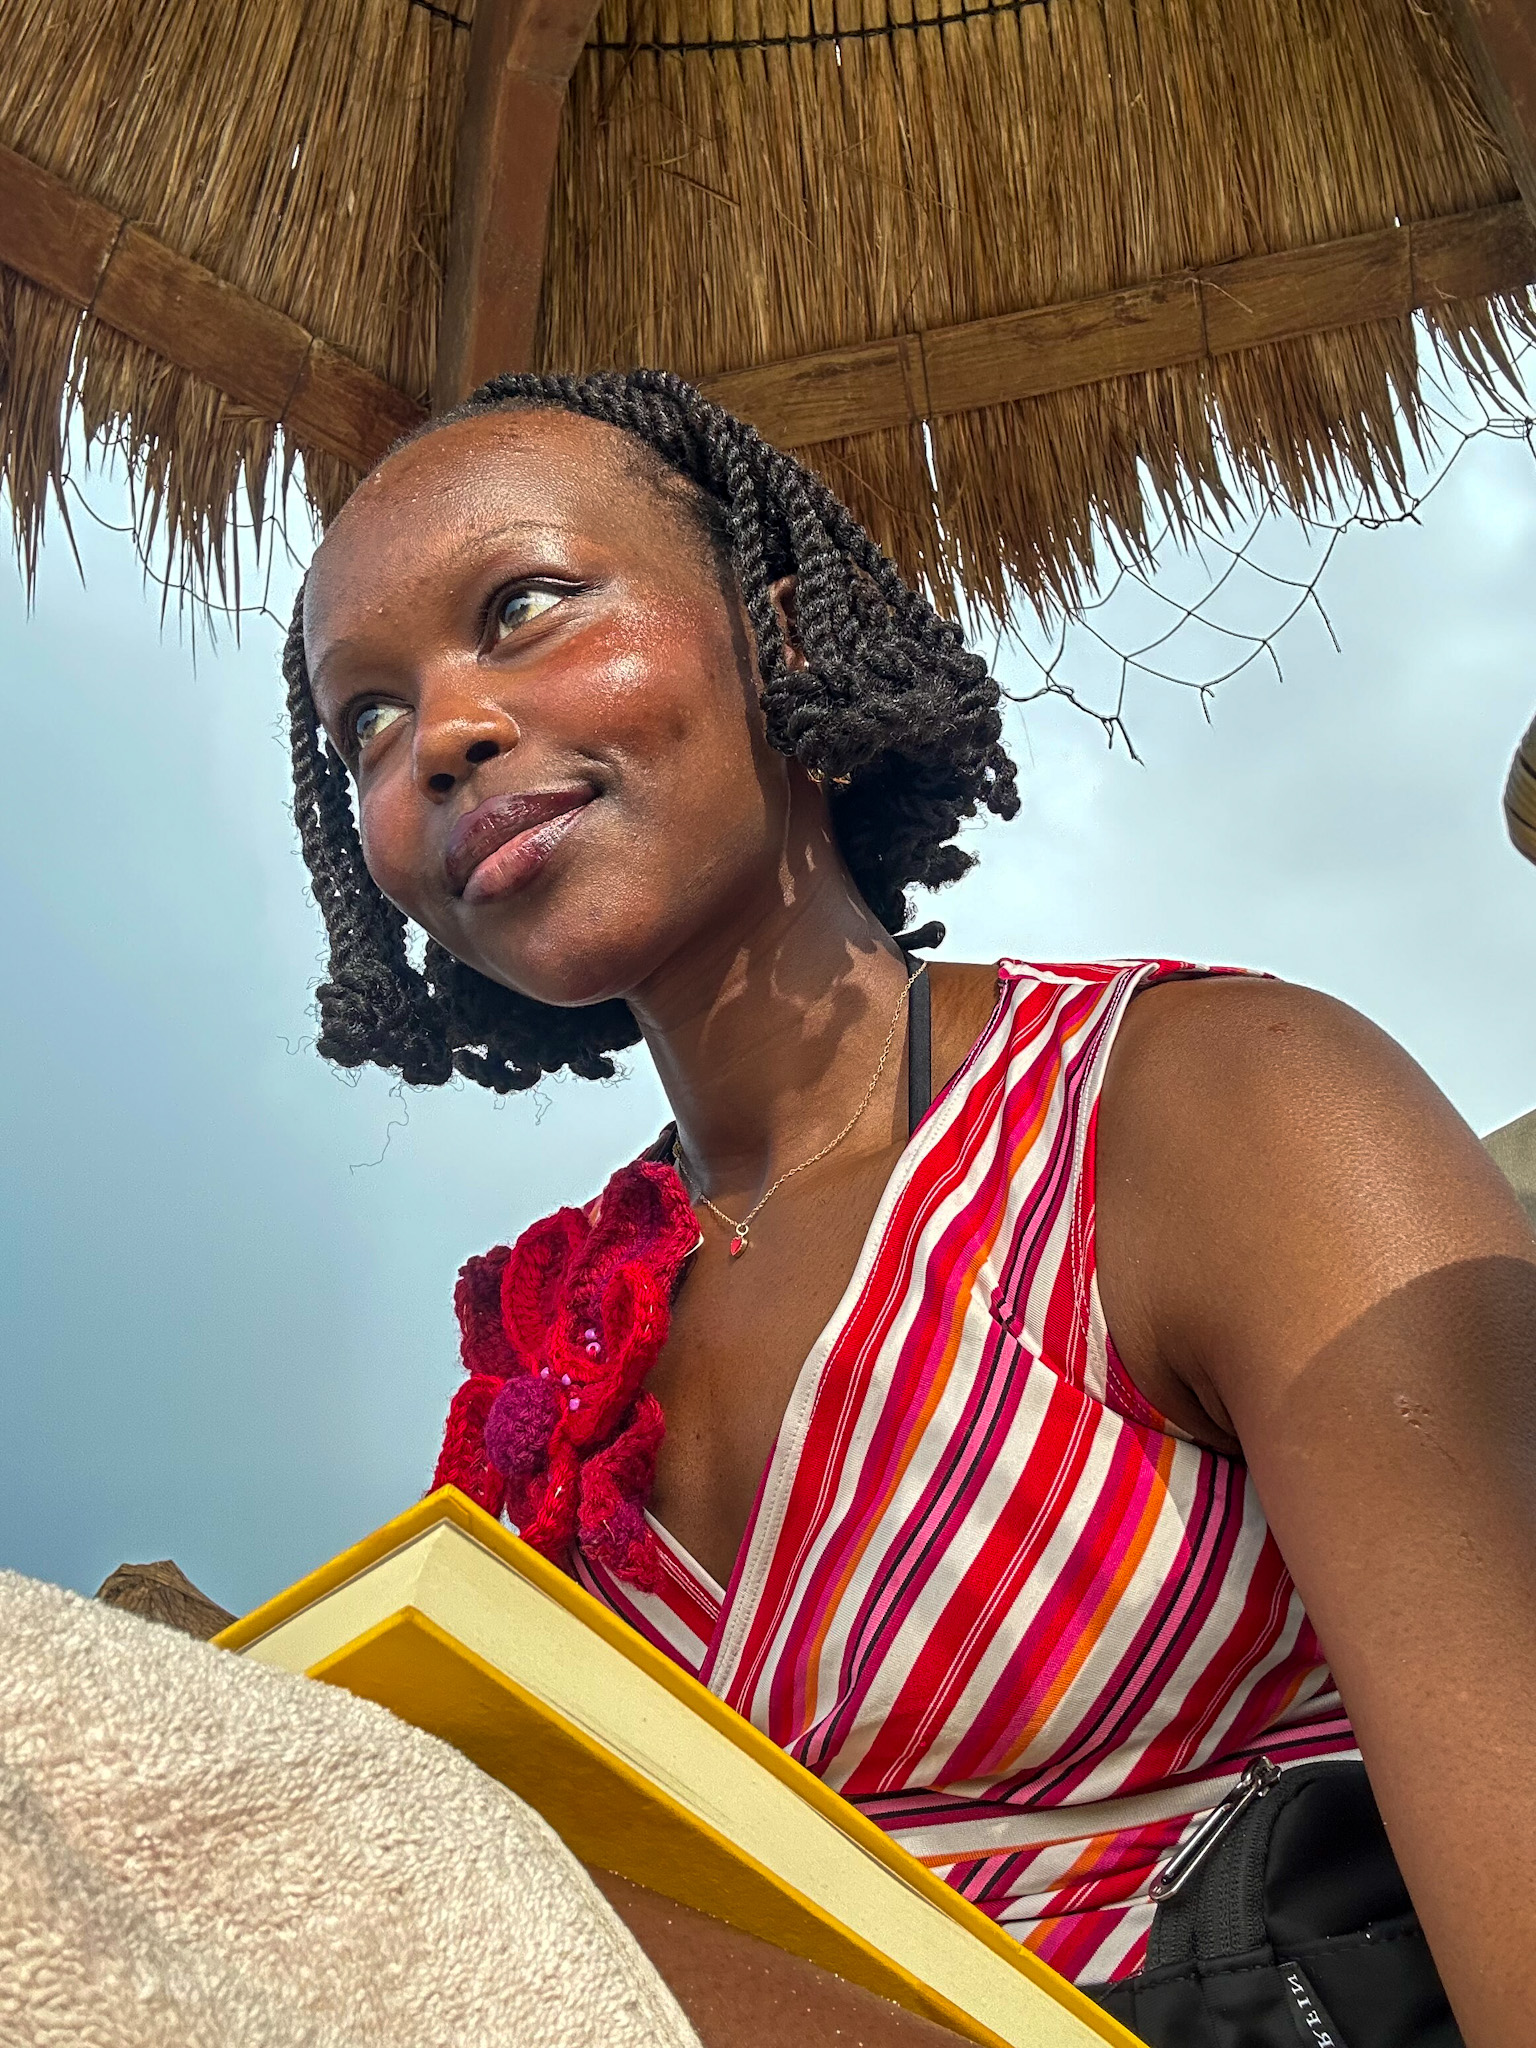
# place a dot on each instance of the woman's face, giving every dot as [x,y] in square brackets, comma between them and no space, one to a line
[534,664]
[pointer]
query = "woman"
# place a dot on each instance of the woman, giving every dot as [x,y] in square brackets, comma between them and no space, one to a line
[956,1420]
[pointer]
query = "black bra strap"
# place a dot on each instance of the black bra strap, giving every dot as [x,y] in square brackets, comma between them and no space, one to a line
[659,1152]
[919,1047]
[919,1023]
[919,1043]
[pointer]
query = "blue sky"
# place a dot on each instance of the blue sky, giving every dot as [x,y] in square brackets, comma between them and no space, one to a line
[225,1306]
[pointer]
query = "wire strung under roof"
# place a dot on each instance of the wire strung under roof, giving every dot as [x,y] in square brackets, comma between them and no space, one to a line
[816,37]
[442,14]
[812,38]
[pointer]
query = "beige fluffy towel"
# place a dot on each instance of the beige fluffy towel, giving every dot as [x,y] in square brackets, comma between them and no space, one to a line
[198,1852]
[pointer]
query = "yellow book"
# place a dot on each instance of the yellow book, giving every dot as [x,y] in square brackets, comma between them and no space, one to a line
[448,1620]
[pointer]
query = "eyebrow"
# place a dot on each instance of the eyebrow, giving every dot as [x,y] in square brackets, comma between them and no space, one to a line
[515,527]
[317,673]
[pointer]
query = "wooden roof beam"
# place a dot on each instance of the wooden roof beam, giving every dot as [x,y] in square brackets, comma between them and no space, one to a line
[521,56]
[128,280]
[1174,320]
[97,260]
[1498,40]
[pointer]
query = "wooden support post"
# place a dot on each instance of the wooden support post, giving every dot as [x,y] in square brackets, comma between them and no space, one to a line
[1498,40]
[521,56]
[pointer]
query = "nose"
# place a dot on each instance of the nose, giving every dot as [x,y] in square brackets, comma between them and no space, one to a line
[456,730]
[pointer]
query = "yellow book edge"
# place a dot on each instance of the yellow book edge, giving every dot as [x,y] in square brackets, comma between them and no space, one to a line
[881,1971]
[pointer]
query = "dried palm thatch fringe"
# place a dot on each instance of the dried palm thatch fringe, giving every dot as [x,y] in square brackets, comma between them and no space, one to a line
[745,181]
[787,182]
[302,151]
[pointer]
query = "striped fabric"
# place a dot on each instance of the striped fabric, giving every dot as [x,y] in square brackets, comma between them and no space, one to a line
[986,1591]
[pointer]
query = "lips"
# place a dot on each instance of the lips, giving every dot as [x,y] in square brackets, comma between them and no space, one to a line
[502,843]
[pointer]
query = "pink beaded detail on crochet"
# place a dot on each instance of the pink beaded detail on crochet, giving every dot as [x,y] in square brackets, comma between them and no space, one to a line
[557,1335]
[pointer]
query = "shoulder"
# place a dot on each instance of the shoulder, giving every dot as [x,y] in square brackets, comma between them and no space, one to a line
[1270,1165]
[1243,1042]
[1255,1078]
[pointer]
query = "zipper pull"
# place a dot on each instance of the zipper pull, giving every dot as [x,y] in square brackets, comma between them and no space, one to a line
[1181,1866]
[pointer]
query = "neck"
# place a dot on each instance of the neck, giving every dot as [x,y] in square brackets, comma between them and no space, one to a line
[766,1038]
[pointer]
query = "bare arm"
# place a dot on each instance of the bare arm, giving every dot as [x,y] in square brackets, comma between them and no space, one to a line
[741,1993]
[1303,1250]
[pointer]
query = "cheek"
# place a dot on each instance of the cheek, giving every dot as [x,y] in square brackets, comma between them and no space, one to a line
[390,829]
[667,702]
[634,706]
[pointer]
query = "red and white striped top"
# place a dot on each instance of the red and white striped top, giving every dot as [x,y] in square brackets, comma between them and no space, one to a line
[987,1592]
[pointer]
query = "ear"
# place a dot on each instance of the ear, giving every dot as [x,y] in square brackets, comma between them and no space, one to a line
[783,594]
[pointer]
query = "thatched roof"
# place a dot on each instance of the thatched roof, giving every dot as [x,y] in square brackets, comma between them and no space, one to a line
[1097,246]
[163,1592]
[1514,1153]
[1520,796]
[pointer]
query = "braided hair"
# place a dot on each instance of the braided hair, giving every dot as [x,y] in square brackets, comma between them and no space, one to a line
[890,711]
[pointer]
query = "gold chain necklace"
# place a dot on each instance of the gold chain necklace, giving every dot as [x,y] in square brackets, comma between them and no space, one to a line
[740,1231]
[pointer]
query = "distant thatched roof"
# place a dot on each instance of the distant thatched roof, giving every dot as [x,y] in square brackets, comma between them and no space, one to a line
[163,1592]
[846,215]
[1520,796]
[1514,1153]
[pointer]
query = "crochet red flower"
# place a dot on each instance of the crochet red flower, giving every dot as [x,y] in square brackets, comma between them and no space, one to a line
[557,1336]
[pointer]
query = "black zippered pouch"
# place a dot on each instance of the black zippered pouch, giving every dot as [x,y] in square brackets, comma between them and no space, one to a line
[1296,1928]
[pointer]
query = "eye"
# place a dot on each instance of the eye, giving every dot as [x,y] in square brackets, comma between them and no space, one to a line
[521,607]
[369,720]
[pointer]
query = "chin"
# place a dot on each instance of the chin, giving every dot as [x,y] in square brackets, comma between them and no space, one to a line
[570,971]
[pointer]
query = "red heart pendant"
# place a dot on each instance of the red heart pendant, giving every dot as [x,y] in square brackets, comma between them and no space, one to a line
[738,1246]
